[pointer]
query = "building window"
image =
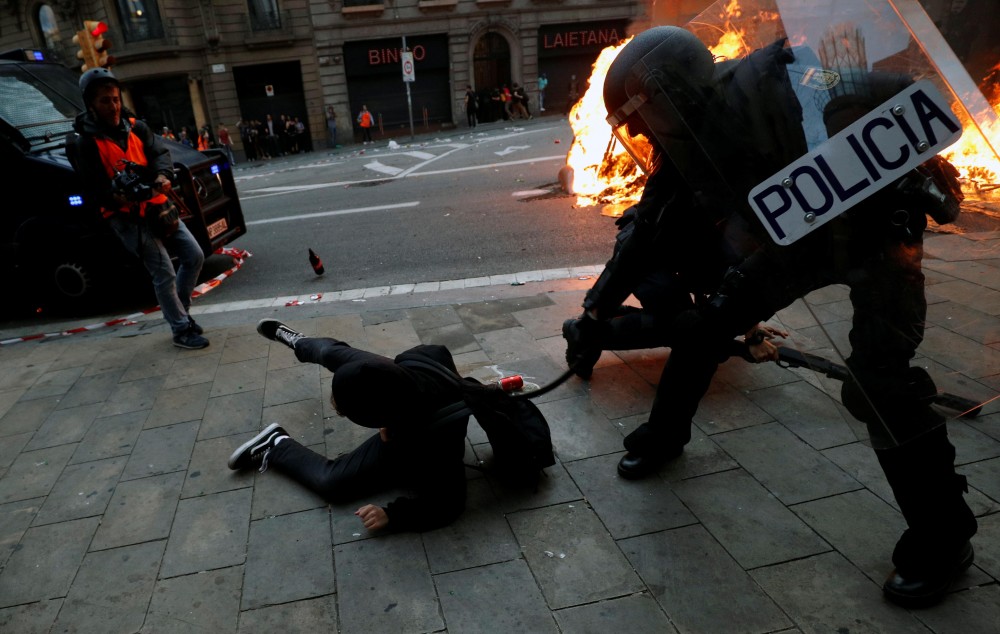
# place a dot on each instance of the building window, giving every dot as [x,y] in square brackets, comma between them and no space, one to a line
[361,3]
[48,26]
[264,15]
[140,20]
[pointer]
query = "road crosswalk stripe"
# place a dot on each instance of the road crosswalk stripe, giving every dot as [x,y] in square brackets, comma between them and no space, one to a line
[375,166]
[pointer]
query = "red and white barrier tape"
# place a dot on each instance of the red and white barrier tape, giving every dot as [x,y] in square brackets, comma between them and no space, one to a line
[238,255]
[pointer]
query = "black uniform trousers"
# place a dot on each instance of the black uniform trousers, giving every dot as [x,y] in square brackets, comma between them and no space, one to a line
[883,272]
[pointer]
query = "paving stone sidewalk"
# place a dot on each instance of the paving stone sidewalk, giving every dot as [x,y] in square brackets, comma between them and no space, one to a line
[118,514]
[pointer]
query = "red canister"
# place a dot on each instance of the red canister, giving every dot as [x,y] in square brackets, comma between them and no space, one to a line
[511,383]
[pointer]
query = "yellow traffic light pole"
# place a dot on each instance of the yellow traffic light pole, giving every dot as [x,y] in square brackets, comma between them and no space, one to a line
[102,44]
[93,45]
[87,53]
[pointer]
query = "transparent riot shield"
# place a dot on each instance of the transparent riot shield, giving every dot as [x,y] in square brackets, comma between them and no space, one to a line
[831,152]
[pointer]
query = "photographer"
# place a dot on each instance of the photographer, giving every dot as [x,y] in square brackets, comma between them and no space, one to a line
[127,170]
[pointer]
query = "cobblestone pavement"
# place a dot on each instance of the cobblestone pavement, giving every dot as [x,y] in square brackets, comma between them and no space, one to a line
[118,514]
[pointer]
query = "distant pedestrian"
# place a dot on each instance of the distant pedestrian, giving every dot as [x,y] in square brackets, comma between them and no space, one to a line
[507,98]
[543,83]
[270,133]
[520,102]
[331,127]
[366,120]
[572,93]
[226,142]
[496,101]
[248,136]
[204,139]
[471,106]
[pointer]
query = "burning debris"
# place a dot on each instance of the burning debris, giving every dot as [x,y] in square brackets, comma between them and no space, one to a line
[598,170]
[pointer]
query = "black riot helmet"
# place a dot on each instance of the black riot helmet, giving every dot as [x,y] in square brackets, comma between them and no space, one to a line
[655,83]
[92,78]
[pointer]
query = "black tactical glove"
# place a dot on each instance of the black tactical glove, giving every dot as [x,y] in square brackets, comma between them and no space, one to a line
[584,342]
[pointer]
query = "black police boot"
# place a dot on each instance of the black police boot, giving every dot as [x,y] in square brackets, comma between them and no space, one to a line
[648,450]
[934,550]
[921,588]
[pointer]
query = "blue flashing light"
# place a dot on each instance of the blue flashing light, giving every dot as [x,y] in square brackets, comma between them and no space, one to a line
[75,201]
[38,56]
[215,168]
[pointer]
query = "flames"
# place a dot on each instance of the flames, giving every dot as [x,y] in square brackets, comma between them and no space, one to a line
[974,155]
[602,171]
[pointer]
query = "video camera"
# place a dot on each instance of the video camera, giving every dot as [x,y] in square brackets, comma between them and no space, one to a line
[128,183]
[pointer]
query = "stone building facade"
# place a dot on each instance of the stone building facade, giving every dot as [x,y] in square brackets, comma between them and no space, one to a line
[204,62]
[200,62]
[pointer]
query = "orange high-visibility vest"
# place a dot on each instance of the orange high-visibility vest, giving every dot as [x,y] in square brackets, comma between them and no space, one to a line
[112,155]
[366,119]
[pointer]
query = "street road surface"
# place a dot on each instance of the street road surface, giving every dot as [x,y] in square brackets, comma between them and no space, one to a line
[449,207]
[441,207]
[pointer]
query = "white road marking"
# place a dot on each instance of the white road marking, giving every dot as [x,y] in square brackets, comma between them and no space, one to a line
[530,192]
[335,212]
[376,166]
[264,192]
[510,149]
[579,273]
[420,155]
[561,157]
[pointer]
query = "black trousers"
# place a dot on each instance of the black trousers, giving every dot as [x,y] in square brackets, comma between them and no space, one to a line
[887,294]
[366,470]
[910,439]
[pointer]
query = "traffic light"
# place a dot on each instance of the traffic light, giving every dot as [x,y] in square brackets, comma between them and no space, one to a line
[101,44]
[86,52]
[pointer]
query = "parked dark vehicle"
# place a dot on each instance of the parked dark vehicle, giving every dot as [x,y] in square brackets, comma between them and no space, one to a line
[53,243]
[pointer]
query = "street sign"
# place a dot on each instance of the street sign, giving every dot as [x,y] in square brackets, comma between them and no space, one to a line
[408,74]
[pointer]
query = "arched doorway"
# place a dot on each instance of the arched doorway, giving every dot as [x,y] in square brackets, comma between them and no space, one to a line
[491,68]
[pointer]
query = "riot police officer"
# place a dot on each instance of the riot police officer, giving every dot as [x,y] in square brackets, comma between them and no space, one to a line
[704,131]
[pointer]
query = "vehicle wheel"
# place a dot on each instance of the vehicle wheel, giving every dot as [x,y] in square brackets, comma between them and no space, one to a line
[70,281]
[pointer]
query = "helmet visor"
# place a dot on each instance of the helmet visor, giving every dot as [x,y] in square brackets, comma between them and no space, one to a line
[635,142]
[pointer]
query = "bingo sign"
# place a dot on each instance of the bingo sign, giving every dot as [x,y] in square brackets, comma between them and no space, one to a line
[408,74]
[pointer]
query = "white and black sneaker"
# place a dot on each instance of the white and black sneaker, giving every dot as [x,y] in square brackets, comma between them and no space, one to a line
[253,453]
[276,331]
